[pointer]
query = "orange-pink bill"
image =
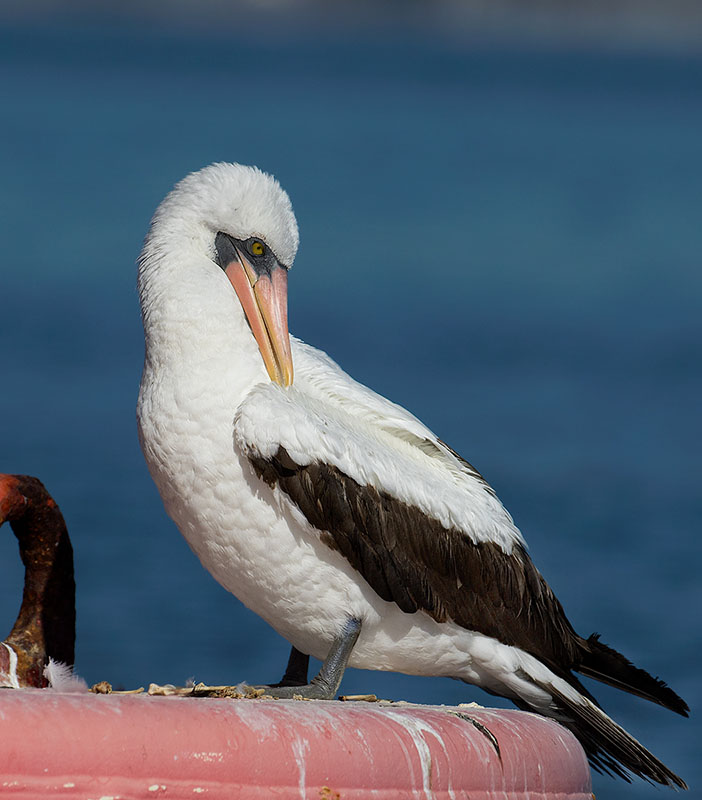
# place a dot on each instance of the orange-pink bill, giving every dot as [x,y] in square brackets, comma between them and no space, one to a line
[265,303]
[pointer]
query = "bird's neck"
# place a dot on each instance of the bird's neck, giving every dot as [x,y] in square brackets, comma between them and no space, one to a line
[196,334]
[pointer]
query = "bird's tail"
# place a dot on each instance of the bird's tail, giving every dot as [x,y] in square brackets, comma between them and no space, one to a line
[609,748]
[608,666]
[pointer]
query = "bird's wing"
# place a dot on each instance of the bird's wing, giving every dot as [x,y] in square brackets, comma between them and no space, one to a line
[418,523]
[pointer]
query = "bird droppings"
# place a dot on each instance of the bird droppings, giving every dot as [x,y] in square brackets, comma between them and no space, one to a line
[300,749]
[416,729]
[155,787]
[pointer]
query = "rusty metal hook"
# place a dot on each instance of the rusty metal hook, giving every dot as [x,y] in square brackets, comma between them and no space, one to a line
[46,624]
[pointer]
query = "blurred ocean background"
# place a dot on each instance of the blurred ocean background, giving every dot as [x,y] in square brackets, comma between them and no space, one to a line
[501,229]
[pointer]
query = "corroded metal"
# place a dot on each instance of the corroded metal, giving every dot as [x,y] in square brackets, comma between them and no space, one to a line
[46,623]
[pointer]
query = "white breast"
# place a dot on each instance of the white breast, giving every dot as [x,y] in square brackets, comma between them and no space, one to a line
[261,549]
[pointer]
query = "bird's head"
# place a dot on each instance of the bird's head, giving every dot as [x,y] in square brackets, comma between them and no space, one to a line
[242,221]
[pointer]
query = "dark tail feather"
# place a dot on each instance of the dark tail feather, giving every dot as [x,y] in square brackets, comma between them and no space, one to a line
[609,748]
[608,666]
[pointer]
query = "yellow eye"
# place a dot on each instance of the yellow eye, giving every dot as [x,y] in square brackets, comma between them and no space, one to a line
[257,248]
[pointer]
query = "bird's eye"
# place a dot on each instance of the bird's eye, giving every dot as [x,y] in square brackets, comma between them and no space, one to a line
[257,248]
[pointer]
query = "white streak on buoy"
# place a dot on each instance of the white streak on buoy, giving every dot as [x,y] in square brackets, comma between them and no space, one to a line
[300,749]
[416,729]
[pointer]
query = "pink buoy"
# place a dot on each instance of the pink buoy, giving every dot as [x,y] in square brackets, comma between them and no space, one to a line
[55,744]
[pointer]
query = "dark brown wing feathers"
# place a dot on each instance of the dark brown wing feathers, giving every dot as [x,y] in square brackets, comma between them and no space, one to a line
[410,559]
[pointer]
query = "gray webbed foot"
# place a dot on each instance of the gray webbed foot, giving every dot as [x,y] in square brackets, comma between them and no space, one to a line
[325,685]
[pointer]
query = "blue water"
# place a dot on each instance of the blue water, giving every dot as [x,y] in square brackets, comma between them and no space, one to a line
[507,243]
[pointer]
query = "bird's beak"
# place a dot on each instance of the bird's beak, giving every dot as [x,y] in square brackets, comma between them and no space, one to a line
[264,298]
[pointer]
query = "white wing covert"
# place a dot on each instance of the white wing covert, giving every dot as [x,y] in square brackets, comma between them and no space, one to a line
[329,418]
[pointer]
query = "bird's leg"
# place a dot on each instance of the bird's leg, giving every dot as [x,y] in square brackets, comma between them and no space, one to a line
[325,685]
[296,671]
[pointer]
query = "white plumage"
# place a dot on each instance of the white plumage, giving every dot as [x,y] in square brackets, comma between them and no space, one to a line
[210,410]
[206,399]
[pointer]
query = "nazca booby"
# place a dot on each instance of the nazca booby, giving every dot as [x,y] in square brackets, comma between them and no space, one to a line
[331,512]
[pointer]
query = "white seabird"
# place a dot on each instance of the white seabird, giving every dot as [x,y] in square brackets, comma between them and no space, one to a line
[328,510]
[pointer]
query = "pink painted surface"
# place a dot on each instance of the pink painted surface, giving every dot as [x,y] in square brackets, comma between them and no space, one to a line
[91,746]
